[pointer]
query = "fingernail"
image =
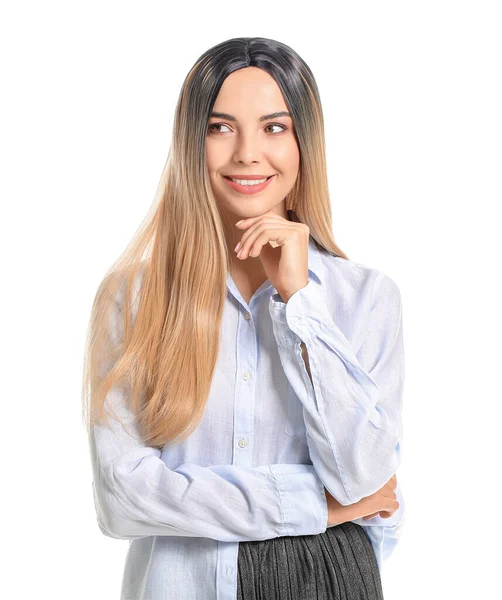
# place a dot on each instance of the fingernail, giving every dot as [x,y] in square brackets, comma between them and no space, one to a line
[240,221]
[237,247]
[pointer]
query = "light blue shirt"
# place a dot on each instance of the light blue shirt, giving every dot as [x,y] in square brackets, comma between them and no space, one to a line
[269,441]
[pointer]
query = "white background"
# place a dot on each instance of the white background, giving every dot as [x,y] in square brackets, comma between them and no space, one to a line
[412,101]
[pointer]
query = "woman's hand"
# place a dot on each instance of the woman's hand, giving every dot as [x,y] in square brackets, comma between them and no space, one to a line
[286,264]
[383,502]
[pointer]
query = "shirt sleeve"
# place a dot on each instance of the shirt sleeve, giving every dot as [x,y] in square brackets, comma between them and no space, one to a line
[352,407]
[136,495]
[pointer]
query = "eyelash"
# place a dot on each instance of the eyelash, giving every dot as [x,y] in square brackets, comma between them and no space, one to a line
[210,128]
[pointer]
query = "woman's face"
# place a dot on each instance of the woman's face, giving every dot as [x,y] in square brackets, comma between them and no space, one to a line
[238,143]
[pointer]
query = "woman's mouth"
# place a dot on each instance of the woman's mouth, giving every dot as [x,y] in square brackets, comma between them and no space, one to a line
[250,187]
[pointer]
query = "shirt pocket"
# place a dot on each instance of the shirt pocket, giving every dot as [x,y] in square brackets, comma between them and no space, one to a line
[295,424]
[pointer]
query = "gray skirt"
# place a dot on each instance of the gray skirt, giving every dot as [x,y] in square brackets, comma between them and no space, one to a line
[338,564]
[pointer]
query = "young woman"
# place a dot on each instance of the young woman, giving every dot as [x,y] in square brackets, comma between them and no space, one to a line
[244,406]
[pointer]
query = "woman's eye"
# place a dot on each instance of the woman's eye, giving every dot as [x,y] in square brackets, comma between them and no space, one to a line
[283,127]
[212,127]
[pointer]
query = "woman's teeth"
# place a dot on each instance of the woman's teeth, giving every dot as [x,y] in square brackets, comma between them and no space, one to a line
[249,181]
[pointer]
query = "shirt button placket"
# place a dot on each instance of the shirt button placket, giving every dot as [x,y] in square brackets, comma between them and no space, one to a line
[245,390]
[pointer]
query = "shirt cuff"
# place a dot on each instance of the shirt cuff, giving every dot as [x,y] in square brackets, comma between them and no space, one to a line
[304,314]
[303,500]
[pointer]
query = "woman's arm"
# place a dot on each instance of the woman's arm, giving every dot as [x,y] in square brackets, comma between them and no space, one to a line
[137,495]
[352,398]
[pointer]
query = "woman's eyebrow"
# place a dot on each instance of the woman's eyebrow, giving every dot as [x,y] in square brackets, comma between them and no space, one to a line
[282,113]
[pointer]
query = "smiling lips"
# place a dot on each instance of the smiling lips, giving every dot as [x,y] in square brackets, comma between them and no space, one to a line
[248,188]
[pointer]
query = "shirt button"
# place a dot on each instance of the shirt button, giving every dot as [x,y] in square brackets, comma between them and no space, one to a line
[243,443]
[247,316]
[246,375]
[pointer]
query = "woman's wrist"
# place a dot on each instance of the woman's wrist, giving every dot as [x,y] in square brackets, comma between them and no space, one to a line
[339,513]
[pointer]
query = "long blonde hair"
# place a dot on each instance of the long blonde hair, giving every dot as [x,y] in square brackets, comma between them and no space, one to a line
[156,316]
